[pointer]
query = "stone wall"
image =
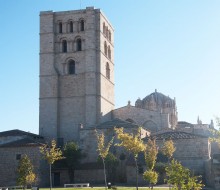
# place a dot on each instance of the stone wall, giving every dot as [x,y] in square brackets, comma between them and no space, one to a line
[9,164]
[131,176]
[214,171]
[142,116]
[192,153]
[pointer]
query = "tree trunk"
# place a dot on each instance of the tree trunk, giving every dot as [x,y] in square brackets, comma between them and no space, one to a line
[136,172]
[50,178]
[104,173]
[72,175]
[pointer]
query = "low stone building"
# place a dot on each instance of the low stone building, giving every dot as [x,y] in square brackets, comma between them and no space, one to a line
[13,145]
[191,150]
[88,141]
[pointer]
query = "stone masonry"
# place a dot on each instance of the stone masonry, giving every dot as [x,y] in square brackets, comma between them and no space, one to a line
[76,72]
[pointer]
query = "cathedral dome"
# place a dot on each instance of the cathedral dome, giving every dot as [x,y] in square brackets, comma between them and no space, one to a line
[156,102]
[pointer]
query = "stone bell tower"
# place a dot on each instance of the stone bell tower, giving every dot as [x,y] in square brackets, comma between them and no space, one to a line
[76,72]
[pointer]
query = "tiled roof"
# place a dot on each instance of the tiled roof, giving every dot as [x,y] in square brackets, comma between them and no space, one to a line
[173,135]
[26,142]
[17,132]
[184,123]
[117,123]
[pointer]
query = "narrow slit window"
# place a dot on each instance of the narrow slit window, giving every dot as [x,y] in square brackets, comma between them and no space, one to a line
[71,67]
[109,36]
[64,46]
[105,48]
[79,44]
[107,71]
[18,156]
[60,27]
[104,28]
[71,26]
[109,52]
[82,27]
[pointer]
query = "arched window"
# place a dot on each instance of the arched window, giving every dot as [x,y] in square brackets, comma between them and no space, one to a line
[79,44]
[109,52]
[71,67]
[71,26]
[104,28]
[60,27]
[82,27]
[64,46]
[106,32]
[109,36]
[107,71]
[105,48]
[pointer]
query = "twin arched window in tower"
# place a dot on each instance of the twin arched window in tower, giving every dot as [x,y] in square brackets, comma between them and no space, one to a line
[71,68]
[76,45]
[106,32]
[71,26]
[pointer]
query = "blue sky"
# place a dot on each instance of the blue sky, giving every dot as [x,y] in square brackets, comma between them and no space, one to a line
[172,46]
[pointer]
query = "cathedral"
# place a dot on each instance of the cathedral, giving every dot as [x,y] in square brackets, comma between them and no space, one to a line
[77,96]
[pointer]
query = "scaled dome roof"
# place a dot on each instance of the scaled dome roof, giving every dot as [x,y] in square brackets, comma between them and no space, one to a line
[155,100]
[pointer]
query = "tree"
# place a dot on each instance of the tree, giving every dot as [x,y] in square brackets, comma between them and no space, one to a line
[168,149]
[72,155]
[150,158]
[111,163]
[180,177]
[103,150]
[51,154]
[194,182]
[151,176]
[151,154]
[132,143]
[26,175]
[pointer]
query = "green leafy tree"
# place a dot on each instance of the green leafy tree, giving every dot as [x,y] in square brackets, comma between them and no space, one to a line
[51,154]
[194,182]
[180,177]
[26,175]
[132,143]
[150,155]
[168,149]
[103,150]
[151,176]
[176,174]
[72,155]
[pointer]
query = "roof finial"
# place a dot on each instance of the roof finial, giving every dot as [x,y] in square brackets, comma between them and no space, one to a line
[211,126]
[129,102]
[199,121]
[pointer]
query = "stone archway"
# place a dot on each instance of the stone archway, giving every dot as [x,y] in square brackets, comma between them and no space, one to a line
[150,126]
